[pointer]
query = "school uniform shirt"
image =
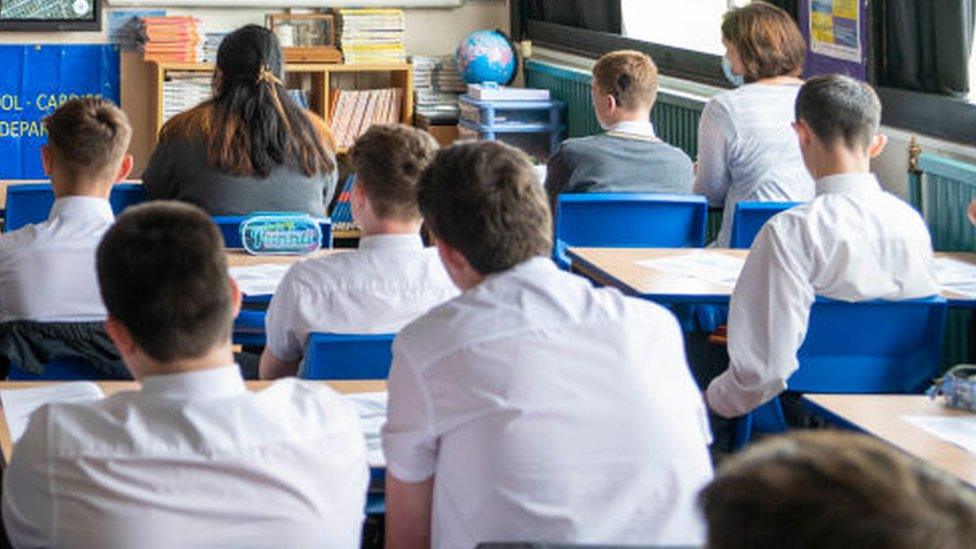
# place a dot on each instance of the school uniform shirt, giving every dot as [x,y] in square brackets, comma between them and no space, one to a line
[389,281]
[47,270]
[191,460]
[549,410]
[854,242]
[748,150]
[627,158]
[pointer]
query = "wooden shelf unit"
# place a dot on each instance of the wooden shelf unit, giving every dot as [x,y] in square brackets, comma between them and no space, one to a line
[323,78]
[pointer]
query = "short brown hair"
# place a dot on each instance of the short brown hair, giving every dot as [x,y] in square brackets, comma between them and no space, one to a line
[88,136]
[835,489]
[629,76]
[840,108]
[767,39]
[484,199]
[163,274]
[388,160]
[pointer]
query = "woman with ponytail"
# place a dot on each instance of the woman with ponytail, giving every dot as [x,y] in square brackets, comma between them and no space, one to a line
[251,147]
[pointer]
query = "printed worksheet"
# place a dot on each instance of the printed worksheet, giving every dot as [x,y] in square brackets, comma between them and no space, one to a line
[372,415]
[19,404]
[956,276]
[259,279]
[708,265]
[957,430]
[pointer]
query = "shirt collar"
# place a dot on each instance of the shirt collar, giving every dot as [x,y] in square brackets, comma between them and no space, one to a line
[642,128]
[411,242]
[531,268]
[211,383]
[846,183]
[78,206]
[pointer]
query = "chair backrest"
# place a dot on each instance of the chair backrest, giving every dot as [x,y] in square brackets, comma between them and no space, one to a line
[750,217]
[31,203]
[871,347]
[230,229]
[347,356]
[631,220]
[60,369]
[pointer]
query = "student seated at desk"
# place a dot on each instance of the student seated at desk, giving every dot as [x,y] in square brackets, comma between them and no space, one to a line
[251,147]
[746,148]
[833,489]
[628,157]
[853,242]
[193,459]
[533,406]
[388,282]
[49,301]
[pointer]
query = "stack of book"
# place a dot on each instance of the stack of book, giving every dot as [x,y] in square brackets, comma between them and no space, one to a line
[183,91]
[372,36]
[437,86]
[354,111]
[171,38]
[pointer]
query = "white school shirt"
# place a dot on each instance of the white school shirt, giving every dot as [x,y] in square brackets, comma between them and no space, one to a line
[748,150]
[640,128]
[549,410]
[854,242]
[47,270]
[378,289]
[191,460]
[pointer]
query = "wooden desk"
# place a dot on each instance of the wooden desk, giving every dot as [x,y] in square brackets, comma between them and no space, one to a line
[112,387]
[881,416]
[617,267]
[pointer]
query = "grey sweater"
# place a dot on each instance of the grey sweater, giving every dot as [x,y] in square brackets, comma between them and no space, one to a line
[178,170]
[615,163]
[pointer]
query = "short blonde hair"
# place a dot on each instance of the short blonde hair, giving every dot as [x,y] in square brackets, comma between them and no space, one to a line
[629,76]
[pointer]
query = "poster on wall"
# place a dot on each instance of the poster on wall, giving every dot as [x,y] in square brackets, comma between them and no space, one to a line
[835,29]
[35,80]
[837,33]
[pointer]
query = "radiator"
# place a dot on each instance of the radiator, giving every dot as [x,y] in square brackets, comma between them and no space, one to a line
[941,188]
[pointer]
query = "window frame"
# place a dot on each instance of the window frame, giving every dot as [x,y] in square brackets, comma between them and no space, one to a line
[943,117]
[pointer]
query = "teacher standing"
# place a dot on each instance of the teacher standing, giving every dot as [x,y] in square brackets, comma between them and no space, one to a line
[251,147]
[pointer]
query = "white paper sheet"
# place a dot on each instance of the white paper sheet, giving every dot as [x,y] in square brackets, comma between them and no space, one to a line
[706,265]
[372,415]
[958,430]
[19,404]
[259,279]
[956,276]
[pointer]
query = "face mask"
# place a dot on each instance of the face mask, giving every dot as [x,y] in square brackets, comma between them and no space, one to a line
[736,79]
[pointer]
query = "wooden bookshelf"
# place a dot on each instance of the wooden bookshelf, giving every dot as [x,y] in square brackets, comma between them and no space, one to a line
[319,79]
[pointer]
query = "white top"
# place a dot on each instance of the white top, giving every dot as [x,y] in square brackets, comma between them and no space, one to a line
[854,242]
[191,460]
[748,150]
[378,289]
[47,270]
[640,128]
[549,410]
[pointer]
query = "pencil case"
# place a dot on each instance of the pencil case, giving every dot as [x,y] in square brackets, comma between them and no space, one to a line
[957,387]
[280,234]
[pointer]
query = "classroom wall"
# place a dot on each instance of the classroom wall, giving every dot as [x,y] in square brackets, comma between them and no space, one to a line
[429,32]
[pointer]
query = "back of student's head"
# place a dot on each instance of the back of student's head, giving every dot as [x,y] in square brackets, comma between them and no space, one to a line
[838,490]
[88,138]
[388,160]
[257,125]
[163,275]
[767,39]
[840,108]
[629,76]
[484,200]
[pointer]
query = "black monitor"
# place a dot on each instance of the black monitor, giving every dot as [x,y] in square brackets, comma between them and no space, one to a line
[50,15]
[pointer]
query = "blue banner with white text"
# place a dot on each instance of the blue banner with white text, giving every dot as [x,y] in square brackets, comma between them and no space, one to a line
[34,80]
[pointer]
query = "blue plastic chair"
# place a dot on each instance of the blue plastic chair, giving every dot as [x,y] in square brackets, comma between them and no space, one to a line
[61,369]
[857,348]
[249,328]
[629,220]
[32,202]
[347,356]
[749,218]
[230,229]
